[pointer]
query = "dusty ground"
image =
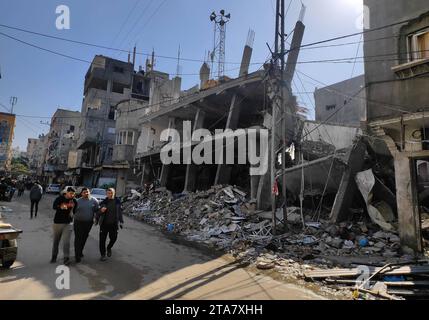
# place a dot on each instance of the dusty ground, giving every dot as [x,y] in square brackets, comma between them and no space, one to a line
[145,265]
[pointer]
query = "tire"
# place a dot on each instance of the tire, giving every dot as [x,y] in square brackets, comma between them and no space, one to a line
[8,264]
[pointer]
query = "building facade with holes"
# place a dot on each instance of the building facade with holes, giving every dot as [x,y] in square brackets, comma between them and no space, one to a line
[397,79]
[342,103]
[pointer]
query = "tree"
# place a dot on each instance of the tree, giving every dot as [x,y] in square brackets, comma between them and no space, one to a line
[18,166]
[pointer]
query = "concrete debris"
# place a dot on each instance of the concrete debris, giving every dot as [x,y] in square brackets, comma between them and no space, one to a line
[223,218]
[380,213]
[219,217]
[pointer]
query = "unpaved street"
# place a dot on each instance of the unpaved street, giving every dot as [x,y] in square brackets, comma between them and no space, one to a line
[145,265]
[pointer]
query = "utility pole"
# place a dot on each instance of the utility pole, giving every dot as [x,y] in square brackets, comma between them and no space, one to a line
[13,101]
[283,111]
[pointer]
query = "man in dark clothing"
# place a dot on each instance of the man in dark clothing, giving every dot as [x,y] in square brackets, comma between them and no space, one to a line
[63,205]
[36,193]
[21,188]
[84,218]
[109,217]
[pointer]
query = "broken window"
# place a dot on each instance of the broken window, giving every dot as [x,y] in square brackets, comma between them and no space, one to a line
[111,115]
[330,107]
[418,45]
[118,87]
[118,69]
[71,128]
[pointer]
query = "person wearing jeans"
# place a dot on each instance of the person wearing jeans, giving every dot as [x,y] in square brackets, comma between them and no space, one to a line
[84,218]
[109,217]
[36,193]
[64,206]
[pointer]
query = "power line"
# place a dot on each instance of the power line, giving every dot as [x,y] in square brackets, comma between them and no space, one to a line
[351,35]
[150,18]
[390,106]
[304,47]
[136,22]
[78,59]
[125,21]
[338,60]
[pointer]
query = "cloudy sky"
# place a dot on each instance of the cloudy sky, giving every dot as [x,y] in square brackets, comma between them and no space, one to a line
[43,81]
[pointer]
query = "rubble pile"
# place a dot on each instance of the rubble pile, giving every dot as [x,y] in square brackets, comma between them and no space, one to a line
[223,218]
[323,238]
[219,217]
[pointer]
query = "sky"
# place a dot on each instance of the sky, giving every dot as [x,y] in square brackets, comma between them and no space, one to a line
[43,81]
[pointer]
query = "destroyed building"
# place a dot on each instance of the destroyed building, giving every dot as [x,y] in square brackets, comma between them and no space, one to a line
[222,104]
[330,99]
[397,101]
[60,140]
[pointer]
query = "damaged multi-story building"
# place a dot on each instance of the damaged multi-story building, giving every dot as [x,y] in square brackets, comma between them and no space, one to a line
[107,82]
[238,105]
[60,140]
[151,88]
[396,76]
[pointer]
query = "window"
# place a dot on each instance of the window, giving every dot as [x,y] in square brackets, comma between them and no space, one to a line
[111,115]
[118,69]
[125,138]
[418,45]
[330,107]
[71,128]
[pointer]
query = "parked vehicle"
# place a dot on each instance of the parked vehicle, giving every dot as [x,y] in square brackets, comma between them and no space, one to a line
[8,245]
[53,188]
[99,194]
[6,193]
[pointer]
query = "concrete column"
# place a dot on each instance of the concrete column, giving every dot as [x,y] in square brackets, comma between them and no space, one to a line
[165,171]
[121,180]
[406,198]
[223,173]
[191,169]
[348,188]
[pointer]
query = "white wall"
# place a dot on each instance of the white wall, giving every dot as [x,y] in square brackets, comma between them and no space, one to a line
[340,136]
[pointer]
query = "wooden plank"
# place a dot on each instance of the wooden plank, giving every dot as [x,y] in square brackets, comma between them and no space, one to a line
[354,272]
[388,283]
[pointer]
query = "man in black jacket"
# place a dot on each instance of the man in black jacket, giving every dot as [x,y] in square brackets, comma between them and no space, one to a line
[109,217]
[64,206]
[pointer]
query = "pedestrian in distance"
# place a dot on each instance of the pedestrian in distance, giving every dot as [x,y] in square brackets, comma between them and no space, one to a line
[84,218]
[36,193]
[21,188]
[109,217]
[64,206]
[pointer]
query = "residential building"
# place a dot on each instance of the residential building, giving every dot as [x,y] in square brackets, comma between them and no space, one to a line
[151,88]
[107,82]
[330,102]
[7,126]
[396,78]
[31,147]
[37,155]
[60,139]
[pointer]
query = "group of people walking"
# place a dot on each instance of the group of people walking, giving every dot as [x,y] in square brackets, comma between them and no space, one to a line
[80,215]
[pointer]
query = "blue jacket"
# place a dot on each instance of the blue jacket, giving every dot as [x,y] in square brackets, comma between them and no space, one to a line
[99,217]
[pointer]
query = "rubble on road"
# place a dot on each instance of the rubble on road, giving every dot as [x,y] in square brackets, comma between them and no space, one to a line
[223,218]
[219,217]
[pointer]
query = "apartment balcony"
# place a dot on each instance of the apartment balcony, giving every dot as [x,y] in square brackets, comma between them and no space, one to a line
[122,153]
